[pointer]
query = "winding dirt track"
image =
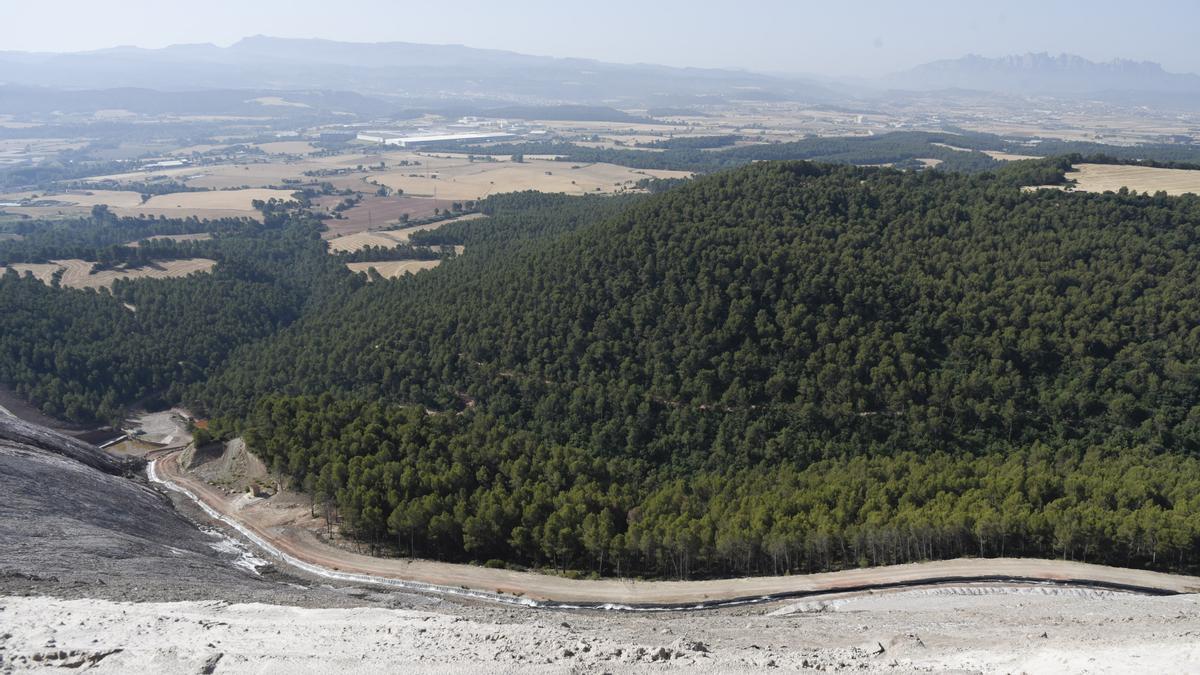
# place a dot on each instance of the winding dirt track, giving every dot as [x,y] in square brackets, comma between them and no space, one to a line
[312,553]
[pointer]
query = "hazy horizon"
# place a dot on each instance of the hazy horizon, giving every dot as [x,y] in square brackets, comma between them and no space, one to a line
[867,39]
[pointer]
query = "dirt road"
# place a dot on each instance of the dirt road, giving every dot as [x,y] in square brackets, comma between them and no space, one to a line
[298,547]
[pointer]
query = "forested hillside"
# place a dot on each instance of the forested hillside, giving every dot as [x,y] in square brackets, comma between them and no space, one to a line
[784,367]
[784,309]
[86,354]
[784,326]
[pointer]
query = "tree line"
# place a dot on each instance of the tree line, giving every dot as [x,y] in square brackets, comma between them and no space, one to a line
[956,150]
[405,482]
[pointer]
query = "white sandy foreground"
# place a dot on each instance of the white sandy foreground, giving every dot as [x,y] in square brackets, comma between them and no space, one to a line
[979,628]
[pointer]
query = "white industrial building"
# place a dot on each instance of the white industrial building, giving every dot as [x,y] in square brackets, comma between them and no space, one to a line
[411,141]
[377,137]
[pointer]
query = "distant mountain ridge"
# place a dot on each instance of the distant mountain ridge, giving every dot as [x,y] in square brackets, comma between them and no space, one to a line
[1042,73]
[427,75]
[392,69]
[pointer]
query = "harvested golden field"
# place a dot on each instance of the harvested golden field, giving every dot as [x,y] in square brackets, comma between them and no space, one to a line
[951,147]
[994,154]
[458,179]
[386,238]
[361,240]
[88,198]
[216,200]
[212,204]
[78,273]
[444,176]
[1106,177]
[1008,156]
[177,173]
[207,205]
[220,176]
[114,199]
[70,204]
[24,148]
[392,269]
[233,176]
[268,173]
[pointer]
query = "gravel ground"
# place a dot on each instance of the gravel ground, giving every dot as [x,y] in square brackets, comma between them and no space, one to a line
[930,630]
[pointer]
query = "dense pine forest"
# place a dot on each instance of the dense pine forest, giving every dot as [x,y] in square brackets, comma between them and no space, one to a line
[86,354]
[783,367]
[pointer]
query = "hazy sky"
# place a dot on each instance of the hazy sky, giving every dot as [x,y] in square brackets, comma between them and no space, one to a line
[833,37]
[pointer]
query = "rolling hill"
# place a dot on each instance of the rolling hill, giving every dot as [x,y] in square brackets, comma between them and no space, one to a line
[786,357]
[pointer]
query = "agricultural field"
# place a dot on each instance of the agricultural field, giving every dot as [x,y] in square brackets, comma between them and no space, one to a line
[994,154]
[81,198]
[460,179]
[392,269]
[264,172]
[429,182]
[287,148]
[1113,177]
[78,273]
[197,149]
[356,242]
[1007,156]
[217,176]
[17,150]
[211,204]
[374,212]
[951,147]
[386,238]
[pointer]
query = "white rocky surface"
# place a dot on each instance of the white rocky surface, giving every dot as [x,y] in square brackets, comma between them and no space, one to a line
[976,629]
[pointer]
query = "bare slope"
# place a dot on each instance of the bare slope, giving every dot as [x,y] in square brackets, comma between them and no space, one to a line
[72,525]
